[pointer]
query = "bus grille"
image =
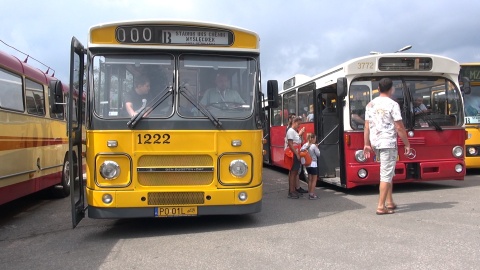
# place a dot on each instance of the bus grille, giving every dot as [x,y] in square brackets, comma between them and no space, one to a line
[156,179]
[175,198]
[177,177]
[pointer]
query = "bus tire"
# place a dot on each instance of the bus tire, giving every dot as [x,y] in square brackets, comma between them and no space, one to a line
[62,190]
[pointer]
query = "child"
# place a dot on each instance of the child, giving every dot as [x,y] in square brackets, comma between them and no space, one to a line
[312,168]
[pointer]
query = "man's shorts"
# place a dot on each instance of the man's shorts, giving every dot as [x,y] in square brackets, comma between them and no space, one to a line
[388,160]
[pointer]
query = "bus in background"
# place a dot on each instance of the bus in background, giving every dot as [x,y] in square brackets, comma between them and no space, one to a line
[189,149]
[472,114]
[337,98]
[33,140]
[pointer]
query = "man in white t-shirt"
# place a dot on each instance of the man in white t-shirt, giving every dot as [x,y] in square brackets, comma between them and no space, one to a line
[383,121]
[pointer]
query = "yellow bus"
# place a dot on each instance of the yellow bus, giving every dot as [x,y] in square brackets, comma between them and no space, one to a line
[472,114]
[33,140]
[173,120]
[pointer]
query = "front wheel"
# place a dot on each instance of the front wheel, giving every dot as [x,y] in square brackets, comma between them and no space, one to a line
[62,190]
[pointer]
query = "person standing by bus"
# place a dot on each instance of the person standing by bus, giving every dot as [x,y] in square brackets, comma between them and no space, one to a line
[383,121]
[293,141]
[298,188]
[139,97]
[312,169]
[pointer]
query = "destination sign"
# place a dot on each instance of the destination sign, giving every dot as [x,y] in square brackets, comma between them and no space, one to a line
[471,72]
[472,120]
[174,35]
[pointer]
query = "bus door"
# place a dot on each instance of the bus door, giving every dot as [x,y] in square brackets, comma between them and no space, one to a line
[328,133]
[74,126]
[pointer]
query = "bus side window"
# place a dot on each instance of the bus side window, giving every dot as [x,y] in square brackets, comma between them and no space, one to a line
[39,104]
[31,107]
[11,91]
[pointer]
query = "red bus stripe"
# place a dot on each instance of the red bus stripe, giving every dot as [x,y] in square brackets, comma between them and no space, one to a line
[15,143]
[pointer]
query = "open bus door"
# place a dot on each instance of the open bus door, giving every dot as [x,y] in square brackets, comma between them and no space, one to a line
[74,126]
[272,103]
[328,128]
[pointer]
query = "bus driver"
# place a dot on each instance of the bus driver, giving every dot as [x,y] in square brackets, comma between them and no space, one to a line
[221,93]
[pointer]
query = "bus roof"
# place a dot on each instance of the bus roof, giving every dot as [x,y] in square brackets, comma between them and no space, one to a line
[368,65]
[15,65]
[104,35]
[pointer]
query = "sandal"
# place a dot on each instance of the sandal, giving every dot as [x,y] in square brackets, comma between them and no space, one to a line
[391,206]
[384,211]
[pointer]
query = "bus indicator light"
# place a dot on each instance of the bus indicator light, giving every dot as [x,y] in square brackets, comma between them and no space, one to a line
[236,143]
[347,139]
[112,143]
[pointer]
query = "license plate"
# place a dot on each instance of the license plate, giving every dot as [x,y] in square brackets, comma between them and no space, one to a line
[377,158]
[175,211]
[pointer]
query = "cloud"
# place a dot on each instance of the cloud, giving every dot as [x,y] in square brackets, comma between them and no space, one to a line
[303,36]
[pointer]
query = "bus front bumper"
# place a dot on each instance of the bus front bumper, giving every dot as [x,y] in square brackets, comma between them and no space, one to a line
[139,204]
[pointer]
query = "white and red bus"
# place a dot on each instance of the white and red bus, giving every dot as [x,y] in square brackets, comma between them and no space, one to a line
[338,97]
[33,139]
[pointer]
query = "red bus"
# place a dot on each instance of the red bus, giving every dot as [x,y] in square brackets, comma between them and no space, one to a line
[333,102]
[33,139]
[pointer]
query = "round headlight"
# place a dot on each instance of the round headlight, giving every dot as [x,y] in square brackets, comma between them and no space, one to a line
[457,151]
[238,168]
[107,198]
[360,156]
[472,150]
[362,173]
[458,168]
[109,170]
[242,196]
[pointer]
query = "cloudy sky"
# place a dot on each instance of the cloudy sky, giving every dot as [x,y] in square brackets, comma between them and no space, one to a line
[297,36]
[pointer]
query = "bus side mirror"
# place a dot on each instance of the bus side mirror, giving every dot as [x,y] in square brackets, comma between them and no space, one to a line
[272,93]
[341,87]
[465,85]
[55,96]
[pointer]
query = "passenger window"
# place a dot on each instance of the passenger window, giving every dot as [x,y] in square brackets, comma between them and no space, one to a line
[11,91]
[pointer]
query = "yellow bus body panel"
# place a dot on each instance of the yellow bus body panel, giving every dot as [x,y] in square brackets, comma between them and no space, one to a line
[185,150]
[473,138]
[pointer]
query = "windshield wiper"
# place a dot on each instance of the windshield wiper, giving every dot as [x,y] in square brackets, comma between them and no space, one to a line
[430,121]
[144,109]
[199,107]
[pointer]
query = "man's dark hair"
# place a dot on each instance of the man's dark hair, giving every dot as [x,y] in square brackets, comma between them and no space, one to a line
[141,80]
[384,85]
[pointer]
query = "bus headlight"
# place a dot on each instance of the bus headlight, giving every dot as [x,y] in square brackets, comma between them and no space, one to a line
[109,170]
[360,156]
[458,168]
[457,151]
[362,173]
[238,168]
[242,196]
[472,151]
[107,198]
